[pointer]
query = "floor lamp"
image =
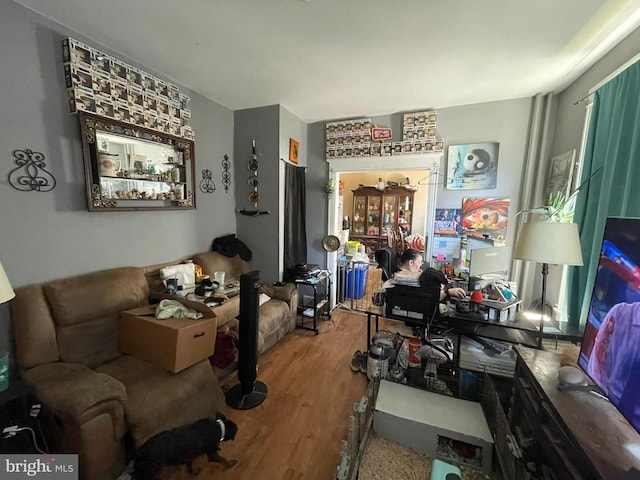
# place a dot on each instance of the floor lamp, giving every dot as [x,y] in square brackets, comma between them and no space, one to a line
[548,242]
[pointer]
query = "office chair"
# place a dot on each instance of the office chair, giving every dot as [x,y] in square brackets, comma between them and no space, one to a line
[387,261]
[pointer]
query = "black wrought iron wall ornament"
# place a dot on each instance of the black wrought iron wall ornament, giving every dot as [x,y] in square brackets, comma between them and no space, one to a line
[226,173]
[30,174]
[206,184]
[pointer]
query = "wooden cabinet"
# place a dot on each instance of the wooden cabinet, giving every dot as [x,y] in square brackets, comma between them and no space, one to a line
[379,216]
[566,434]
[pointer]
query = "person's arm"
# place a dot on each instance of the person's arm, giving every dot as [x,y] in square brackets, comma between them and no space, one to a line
[451,292]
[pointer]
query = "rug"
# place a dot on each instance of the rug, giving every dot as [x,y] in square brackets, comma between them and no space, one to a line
[386,460]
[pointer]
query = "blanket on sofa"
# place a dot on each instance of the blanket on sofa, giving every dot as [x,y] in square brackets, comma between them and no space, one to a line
[230,246]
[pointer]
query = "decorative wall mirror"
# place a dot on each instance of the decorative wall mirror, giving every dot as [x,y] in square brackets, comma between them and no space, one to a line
[133,168]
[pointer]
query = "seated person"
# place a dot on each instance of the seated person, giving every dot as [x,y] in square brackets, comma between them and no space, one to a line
[411,261]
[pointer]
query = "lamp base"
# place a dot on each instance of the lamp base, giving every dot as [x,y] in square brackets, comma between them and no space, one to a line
[245,401]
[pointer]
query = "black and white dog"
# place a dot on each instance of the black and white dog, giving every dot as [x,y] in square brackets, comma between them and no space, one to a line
[163,453]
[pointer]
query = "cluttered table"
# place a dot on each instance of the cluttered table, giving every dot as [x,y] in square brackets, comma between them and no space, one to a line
[513,326]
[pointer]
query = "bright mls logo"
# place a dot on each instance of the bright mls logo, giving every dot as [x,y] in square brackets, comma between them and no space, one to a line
[53,467]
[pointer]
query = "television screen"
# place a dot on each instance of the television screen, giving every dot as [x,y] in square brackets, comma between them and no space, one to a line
[610,351]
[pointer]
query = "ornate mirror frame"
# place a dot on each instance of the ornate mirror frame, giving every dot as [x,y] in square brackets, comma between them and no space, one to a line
[133,168]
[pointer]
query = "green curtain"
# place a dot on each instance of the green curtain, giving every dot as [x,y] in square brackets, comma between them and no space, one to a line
[612,164]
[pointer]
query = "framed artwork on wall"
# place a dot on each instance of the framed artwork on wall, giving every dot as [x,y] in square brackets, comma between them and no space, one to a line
[486,218]
[472,166]
[294,148]
[560,174]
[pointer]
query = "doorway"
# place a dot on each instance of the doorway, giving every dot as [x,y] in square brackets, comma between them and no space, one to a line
[425,166]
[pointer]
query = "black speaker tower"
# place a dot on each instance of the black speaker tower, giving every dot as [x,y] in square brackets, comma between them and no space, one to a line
[249,393]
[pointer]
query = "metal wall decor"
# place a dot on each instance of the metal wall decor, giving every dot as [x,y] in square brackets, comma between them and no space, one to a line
[226,173]
[206,184]
[252,181]
[30,174]
[254,196]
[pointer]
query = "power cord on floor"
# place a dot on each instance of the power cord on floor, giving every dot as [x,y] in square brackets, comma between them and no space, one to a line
[11,431]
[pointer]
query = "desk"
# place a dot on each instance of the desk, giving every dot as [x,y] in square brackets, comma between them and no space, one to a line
[515,330]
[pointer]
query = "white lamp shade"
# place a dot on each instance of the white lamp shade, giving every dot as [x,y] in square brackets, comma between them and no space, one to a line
[549,242]
[6,292]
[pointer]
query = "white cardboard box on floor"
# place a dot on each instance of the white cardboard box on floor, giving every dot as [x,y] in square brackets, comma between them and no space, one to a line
[425,421]
[474,357]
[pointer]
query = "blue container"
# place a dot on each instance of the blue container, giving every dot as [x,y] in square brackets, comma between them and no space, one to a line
[444,471]
[356,281]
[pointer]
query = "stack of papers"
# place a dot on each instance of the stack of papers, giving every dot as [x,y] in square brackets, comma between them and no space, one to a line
[411,279]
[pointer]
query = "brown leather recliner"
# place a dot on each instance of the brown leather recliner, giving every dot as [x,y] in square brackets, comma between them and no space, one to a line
[66,337]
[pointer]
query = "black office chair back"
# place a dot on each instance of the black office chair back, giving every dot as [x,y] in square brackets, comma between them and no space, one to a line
[387,261]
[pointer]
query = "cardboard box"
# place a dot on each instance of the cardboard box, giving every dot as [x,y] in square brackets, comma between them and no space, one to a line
[173,344]
[430,423]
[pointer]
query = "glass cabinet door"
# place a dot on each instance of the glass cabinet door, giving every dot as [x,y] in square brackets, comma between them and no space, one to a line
[375,212]
[405,212]
[358,222]
[389,211]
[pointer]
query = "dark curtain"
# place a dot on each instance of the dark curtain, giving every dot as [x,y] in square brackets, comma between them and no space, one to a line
[611,162]
[295,228]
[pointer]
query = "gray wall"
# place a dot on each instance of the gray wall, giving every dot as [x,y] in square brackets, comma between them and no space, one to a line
[505,122]
[570,118]
[272,127]
[292,127]
[316,177]
[52,235]
[259,233]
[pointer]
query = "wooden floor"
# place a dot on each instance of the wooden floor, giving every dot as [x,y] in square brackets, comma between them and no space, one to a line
[297,431]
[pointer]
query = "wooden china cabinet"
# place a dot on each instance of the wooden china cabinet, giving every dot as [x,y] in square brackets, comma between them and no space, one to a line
[381,215]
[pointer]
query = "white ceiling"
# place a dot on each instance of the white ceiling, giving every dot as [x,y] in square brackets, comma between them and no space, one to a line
[330,59]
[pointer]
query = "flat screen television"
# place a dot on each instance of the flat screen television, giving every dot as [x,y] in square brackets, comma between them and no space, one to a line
[610,350]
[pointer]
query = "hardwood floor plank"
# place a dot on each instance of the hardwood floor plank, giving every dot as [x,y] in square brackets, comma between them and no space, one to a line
[296,432]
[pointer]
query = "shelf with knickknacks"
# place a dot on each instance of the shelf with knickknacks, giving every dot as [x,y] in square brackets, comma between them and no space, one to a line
[131,168]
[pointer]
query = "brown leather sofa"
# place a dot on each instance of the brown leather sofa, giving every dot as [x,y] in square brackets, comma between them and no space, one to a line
[277,316]
[98,402]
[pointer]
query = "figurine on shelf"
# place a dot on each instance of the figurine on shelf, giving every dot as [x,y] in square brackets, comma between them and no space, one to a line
[175,174]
